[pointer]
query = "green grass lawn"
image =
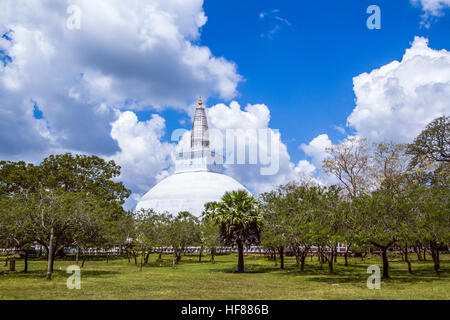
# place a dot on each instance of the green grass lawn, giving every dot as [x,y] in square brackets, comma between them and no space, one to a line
[119,279]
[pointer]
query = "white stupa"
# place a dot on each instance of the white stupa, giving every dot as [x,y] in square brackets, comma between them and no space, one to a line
[198,177]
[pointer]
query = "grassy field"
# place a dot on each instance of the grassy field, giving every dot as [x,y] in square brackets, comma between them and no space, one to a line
[119,279]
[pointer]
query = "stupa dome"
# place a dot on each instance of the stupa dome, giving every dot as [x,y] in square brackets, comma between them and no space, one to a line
[188,191]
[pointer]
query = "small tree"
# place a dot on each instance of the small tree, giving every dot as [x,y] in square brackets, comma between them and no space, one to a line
[210,236]
[239,219]
[182,231]
[277,231]
[327,222]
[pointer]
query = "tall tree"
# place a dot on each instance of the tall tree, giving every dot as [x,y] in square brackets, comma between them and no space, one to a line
[239,219]
[385,211]
[430,153]
[433,143]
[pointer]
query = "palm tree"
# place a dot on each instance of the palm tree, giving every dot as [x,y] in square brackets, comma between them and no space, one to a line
[239,221]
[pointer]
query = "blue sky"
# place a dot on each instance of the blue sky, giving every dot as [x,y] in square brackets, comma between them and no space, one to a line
[304,73]
[119,81]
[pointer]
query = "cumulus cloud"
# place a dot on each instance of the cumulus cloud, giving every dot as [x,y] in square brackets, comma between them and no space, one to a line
[316,149]
[393,103]
[396,101]
[431,8]
[143,157]
[126,55]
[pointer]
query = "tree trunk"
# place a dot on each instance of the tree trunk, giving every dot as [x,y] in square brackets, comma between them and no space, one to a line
[330,261]
[418,252]
[385,262]
[213,254]
[77,257]
[50,255]
[335,254]
[200,254]
[128,256]
[135,257]
[407,259]
[303,256]
[435,255]
[281,253]
[147,256]
[84,260]
[142,258]
[175,256]
[241,257]
[347,249]
[7,258]
[12,265]
[26,262]
[159,256]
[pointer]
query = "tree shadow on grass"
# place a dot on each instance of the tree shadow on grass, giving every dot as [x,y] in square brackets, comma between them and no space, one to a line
[41,274]
[396,276]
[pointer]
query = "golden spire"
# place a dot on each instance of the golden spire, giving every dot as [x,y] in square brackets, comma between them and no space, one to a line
[200,103]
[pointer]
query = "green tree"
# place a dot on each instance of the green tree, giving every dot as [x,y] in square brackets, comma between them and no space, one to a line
[63,197]
[433,143]
[384,214]
[183,230]
[239,219]
[14,227]
[210,237]
[151,232]
[327,222]
[430,209]
[277,232]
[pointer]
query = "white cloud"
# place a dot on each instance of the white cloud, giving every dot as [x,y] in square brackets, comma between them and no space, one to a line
[274,21]
[305,167]
[316,149]
[134,54]
[142,156]
[340,129]
[396,101]
[432,7]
